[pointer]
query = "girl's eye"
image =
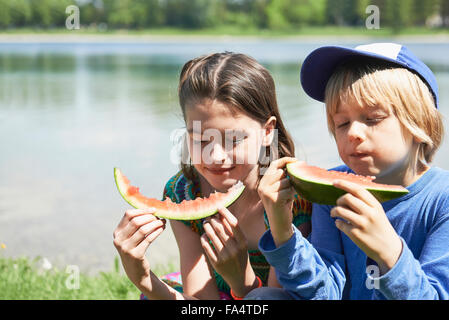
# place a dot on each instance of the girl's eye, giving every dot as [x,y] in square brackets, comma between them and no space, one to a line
[236,141]
[341,125]
[200,141]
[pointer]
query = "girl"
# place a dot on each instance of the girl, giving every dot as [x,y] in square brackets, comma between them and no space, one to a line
[234,130]
[381,104]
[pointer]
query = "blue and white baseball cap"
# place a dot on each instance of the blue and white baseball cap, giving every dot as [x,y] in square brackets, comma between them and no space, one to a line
[322,62]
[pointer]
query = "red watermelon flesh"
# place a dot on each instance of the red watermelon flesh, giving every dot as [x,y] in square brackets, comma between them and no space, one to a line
[315,184]
[186,210]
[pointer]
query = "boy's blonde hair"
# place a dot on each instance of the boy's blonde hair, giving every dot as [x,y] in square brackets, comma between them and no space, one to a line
[371,83]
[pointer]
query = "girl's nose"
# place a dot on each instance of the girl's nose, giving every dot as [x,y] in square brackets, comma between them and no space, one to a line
[356,131]
[218,153]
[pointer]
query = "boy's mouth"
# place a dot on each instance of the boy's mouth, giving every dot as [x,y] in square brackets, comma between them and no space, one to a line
[358,155]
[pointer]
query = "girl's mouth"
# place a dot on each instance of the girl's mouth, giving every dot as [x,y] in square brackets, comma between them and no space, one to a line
[219,171]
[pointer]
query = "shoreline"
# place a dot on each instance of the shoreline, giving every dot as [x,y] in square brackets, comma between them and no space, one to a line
[80,37]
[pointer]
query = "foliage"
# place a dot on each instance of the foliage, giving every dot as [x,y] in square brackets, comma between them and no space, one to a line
[198,14]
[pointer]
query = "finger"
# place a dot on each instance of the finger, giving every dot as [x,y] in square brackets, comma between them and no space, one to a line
[131,213]
[287,194]
[356,191]
[143,246]
[274,175]
[282,162]
[232,223]
[143,232]
[279,164]
[347,215]
[220,230]
[208,249]
[282,184]
[216,242]
[226,214]
[352,202]
[227,226]
[343,226]
[138,220]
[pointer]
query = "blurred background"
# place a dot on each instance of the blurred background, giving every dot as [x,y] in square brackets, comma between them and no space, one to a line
[240,15]
[75,103]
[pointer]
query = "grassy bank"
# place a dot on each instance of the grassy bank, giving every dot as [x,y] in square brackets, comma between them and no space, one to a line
[23,279]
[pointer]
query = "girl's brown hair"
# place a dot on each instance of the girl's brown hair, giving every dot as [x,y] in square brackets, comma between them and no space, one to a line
[239,82]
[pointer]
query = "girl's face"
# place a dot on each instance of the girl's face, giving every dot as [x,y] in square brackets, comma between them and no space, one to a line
[224,147]
[371,141]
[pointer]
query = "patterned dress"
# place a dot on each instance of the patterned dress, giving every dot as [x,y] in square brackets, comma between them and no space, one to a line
[179,188]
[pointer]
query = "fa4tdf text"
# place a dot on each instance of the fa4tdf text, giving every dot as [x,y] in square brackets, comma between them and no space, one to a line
[228,309]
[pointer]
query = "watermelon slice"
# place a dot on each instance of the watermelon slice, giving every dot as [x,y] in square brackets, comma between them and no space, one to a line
[315,184]
[198,208]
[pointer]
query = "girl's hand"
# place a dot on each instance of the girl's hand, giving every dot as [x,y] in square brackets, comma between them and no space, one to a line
[277,195]
[366,224]
[135,232]
[227,250]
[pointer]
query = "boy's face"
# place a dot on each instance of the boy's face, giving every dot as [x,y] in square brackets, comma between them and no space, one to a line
[371,140]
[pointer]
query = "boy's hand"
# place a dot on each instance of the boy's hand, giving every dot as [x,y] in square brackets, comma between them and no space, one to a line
[366,224]
[277,195]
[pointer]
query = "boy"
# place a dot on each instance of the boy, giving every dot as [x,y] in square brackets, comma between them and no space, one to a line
[381,103]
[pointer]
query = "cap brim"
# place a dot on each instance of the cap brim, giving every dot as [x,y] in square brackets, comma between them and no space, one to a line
[319,65]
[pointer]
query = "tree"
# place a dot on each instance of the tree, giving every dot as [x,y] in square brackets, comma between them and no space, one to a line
[296,13]
[187,13]
[21,13]
[304,12]
[275,15]
[444,12]
[342,12]
[423,10]
[399,14]
[5,16]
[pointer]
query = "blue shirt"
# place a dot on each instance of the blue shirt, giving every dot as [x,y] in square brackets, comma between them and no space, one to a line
[331,266]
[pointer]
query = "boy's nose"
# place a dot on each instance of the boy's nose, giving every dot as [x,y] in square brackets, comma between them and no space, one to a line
[356,131]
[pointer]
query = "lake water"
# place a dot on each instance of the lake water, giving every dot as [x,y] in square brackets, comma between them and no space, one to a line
[71,112]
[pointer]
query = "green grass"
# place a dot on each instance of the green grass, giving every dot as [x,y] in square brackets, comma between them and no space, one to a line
[241,31]
[21,279]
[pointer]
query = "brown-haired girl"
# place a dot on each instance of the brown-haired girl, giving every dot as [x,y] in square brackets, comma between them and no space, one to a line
[235,132]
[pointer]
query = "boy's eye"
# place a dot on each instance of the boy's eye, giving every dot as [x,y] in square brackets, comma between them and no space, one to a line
[374,120]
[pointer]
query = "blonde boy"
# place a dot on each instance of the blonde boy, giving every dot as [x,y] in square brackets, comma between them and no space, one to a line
[382,108]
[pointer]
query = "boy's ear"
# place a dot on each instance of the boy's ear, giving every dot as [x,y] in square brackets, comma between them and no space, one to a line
[269,130]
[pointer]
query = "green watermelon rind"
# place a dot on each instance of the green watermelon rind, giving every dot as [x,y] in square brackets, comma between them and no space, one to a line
[197,216]
[325,193]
